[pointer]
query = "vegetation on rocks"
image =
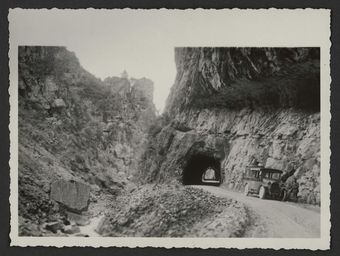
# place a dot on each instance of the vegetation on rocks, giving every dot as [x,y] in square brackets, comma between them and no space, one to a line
[255,103]
[237,78]
[73,126]
[228,106]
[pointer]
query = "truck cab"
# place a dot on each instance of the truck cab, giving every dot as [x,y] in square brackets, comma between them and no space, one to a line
[263,182]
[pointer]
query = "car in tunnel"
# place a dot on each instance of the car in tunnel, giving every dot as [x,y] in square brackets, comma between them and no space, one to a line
[209,177]
[264,183]
[202,169]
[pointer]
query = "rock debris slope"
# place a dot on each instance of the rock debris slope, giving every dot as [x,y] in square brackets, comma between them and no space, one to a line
[239,104]
[174,211]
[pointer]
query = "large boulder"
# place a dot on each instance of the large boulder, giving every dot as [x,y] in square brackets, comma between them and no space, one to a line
[72,194]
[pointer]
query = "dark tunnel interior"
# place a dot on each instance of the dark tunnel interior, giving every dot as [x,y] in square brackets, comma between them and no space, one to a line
[195,172]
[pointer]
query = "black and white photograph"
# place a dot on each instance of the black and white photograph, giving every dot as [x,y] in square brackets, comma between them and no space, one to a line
[122,130]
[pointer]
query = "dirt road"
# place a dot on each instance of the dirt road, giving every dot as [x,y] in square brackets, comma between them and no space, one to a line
[269,218]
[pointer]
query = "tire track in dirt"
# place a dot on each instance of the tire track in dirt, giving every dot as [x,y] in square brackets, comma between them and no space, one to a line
[269,218]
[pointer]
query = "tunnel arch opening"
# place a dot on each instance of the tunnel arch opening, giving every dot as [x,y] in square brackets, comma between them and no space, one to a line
[202,169]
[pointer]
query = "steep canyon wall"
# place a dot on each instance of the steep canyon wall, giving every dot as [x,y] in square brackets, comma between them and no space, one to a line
[240,104]
[74,126]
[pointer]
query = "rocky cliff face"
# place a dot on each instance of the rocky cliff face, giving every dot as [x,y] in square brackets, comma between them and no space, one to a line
[234,105]
[75,127]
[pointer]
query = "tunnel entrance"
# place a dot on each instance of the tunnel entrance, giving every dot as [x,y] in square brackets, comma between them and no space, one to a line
[202,170]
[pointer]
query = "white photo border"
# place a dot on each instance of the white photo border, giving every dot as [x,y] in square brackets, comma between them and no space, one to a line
[274,28]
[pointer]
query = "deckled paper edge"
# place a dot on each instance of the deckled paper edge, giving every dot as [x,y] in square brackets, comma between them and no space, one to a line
[322,243]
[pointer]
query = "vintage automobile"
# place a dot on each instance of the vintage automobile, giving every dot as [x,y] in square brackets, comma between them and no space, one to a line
[264,183]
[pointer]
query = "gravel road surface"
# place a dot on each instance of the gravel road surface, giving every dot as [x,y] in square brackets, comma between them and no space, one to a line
[270,218]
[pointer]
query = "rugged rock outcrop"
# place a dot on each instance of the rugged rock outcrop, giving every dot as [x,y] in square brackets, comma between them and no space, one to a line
[239,104]
[74,126]
[237,78]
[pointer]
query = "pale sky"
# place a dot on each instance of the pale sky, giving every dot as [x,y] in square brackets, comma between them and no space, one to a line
[142,41]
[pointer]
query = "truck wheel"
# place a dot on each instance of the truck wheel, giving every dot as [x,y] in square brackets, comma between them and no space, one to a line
[262,193]
[246,190]
[283,195]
